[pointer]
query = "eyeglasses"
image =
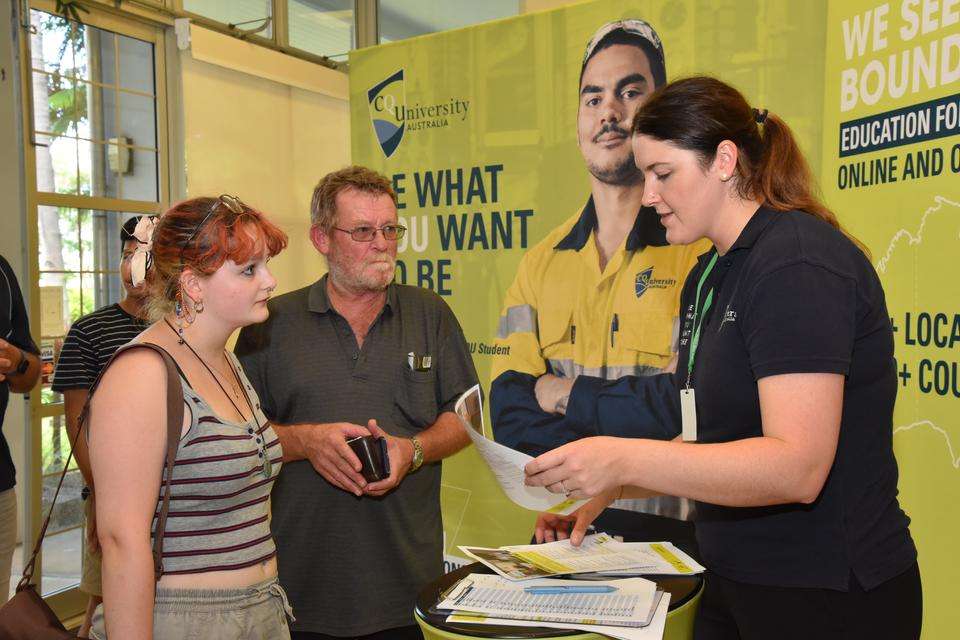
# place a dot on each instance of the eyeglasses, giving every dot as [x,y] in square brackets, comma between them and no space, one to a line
[364,233]
[233,203]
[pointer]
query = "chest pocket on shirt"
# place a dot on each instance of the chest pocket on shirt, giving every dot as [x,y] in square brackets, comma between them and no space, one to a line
[650,334]
[415,400]
[555,327]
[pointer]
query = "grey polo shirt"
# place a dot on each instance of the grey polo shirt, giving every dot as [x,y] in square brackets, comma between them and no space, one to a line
[353,566]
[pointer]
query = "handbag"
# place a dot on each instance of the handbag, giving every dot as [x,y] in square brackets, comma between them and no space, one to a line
[26,616]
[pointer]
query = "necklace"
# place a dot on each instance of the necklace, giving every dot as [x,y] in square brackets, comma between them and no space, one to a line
[218,373]
[255,434]
[213,371]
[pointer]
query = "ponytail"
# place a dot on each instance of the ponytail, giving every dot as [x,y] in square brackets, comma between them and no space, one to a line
[700,112]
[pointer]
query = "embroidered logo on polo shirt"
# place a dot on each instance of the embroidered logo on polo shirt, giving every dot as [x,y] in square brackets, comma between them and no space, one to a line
[645,280]
[728,316]
[687,326]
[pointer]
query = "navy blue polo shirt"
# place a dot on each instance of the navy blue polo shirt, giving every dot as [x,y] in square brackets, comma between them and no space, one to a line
[15,329]
[794,295]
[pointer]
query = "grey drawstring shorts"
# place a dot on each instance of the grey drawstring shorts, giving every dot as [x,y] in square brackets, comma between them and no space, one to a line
[257,612]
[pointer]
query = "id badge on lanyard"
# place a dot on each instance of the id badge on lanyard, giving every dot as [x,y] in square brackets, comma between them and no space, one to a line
[688,398]
[688,415]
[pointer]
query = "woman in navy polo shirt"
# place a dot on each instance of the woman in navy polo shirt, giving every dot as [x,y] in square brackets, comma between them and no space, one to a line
[786,385]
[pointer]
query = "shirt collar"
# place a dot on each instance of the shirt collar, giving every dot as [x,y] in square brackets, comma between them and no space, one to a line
[748,237]
[754,229]
[319,302]
[647,230]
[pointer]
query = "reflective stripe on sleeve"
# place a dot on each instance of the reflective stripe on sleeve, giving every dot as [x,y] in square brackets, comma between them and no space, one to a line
[519,319]
[567,368]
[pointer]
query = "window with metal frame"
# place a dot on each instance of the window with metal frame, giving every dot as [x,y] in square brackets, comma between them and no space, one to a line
[322,27]
[402,19]
[245,15]
[94,104]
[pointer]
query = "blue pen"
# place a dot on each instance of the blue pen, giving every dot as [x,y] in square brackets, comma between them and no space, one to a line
[570,589]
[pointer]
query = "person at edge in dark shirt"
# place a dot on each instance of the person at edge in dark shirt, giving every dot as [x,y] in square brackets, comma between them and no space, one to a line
[19,371]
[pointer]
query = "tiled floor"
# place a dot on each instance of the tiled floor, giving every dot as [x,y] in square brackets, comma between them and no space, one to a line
[61,562]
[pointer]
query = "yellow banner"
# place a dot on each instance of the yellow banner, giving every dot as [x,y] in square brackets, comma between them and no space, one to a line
[477,129]
[891,159]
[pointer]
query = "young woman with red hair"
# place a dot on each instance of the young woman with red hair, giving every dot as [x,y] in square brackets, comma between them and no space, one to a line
[205,262]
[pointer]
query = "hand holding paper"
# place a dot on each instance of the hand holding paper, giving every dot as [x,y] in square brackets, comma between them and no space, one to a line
[580,469]
[506,464]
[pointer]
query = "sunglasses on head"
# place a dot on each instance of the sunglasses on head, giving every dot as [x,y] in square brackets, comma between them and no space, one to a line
[232,203]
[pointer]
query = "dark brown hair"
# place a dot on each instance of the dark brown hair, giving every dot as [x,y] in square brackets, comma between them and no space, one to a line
[186,238]
[323,205]
[699,113]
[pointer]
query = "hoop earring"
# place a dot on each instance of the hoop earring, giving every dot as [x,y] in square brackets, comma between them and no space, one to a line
[185,316]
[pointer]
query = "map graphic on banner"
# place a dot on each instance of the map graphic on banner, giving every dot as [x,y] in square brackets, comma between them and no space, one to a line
[477,129]
[891,169]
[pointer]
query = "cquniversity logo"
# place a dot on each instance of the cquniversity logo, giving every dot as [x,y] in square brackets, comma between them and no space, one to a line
[643,278]
[387,119]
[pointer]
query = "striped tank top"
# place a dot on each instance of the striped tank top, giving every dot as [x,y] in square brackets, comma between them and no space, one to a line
[219,517]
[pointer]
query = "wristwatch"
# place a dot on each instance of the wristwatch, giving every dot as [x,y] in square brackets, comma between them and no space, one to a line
[417,461]
[24,363]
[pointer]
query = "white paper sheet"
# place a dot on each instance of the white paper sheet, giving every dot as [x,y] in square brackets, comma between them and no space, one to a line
[659,558]
[597,552]
[505,463]
[631,604]
[653,631]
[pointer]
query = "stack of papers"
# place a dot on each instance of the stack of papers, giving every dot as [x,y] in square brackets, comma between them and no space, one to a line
[600,555]
[658,559]
[628,608]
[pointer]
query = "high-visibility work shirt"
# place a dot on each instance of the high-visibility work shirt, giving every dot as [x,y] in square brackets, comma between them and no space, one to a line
[563,315]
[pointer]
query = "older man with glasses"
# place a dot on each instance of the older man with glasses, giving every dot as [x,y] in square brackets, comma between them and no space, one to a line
[356,354]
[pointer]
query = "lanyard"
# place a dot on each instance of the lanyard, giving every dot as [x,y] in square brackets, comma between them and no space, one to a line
[699,314]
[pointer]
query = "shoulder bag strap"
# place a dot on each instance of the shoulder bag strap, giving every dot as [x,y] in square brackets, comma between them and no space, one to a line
[174,427]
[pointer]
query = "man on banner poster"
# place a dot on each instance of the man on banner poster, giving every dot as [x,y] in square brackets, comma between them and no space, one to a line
[594,304]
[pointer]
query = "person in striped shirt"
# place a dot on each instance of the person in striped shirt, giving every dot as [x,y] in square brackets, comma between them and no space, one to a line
[90,343]
[206,266]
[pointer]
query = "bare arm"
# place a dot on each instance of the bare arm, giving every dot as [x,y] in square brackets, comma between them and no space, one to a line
[73,401]
[127,449]
[10,358]
[443,438]
[789,463]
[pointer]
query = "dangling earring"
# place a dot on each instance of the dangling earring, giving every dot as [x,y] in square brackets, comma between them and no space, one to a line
[188,311]
[198,306]
[178,311]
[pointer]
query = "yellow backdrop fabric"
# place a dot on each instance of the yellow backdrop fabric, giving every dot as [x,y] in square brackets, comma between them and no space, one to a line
[477,129]
[891,159]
